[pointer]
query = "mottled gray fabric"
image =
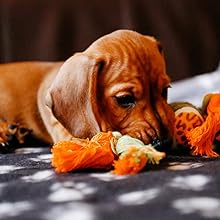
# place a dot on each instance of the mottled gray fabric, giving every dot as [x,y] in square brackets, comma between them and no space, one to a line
[179,188]
[194,89]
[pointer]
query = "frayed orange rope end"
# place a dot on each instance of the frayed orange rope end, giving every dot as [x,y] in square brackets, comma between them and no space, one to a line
[76,154]
[131,162]
[201,138]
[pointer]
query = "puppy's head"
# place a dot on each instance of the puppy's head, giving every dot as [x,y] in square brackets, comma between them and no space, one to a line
[118,83]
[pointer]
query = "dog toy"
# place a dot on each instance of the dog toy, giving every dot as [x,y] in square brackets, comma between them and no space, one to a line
[197,129]
[105,150]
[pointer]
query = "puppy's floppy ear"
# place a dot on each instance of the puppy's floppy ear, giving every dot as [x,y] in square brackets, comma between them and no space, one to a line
[73,95]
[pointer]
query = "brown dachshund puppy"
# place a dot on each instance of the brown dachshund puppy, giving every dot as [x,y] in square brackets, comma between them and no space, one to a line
[118,83]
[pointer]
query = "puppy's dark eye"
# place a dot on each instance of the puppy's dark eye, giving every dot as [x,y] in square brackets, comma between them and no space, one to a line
[165,92]
[125,101]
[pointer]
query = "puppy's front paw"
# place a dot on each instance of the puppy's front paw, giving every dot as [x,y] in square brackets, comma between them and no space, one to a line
[4,145]
[12,136]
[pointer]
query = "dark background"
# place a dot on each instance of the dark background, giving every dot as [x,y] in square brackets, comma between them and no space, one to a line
[189,30]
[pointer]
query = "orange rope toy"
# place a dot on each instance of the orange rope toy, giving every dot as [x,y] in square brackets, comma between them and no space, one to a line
[199,131]
[106,149]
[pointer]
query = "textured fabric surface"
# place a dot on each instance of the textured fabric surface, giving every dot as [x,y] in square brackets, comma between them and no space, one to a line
[194,89]
[178,188]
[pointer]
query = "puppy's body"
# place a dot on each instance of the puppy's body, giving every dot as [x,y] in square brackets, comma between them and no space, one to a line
[118,83]
[19,92]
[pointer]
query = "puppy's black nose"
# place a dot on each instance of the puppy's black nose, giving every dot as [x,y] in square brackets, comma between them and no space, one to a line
[162,144]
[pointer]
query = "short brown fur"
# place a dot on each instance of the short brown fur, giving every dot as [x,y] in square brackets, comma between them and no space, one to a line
[79,97]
